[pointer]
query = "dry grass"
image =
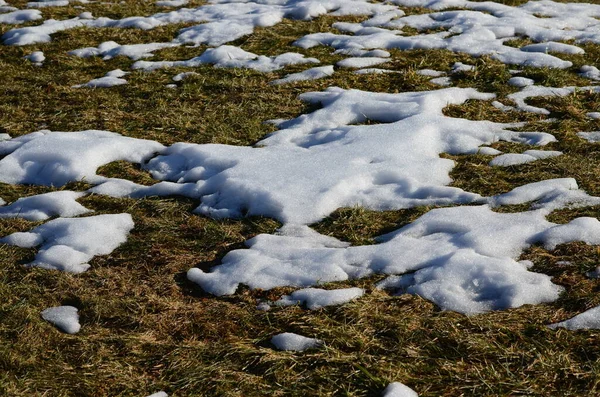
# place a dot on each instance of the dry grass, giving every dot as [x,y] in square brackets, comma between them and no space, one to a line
[146,328]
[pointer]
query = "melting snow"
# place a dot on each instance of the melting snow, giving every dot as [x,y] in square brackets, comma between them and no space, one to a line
[589,319]
[64,318]
[111,79]
[397,389]
[294,342]
[508,159]
[316,298]
[44,206]
[67,244]
[309,74]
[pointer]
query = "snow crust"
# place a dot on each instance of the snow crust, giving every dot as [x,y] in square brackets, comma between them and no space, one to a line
[43,206]
[294,342]
[67,244]
[20,16]
[316,298]
[590,319]
[593,136]
[397,389]
[65,318]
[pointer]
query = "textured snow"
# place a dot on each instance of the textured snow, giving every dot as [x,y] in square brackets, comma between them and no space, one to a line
[56,158]
[65,318]
[430,72]
[534,91]
[67,244]
[552,46]
[111,49]
[160,393]
[172,3]
[386,166]
[183,76]
[520,82]
[589,319]
[316,298]
[309,74]
[442,81]
[461,258]
[20,16]
[593,136]
[43,206]
[528,156]
[593,115]
[111,79]
[294,342]
[374,71]
[231,57]
[550,194]
[460,67]
[589,72]
[48,3]
[361,62]
[397,389]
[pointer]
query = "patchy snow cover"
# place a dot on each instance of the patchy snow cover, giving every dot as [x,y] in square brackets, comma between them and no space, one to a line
[589,319]
[534,91]
[56,158]
[309,74]
[441,81]
[67,244]
[43,206]
[160,393]
[227,56]
[220,21]
[589,72]
[553,46]
[374,71]
[550,194]
[316,298]
[182,76]
[461,258]
[48,3]
[593,136]
[294,342]
[111,79]
[361,62]
[381,166]
[111,49]
[397,389]
[430,73]
[528,156]
[65,318]
[20,16]
[459,67]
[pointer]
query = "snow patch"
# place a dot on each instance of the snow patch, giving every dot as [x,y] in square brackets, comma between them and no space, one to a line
[294,342]
[65,318]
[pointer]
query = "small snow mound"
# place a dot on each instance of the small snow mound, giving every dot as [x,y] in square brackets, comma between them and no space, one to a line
[159,394]
[520,82]
[592,137]
[397,389]
[36,57]
[509,159]
[42,206]
[361,62]
[316,298]
[309,74]
[65,318]
[111,79]
[294,342]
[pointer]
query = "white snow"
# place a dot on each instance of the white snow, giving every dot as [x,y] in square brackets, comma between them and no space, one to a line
[397,389]
[459,67]
[528,156]
[430,72]
[589,72]
[43,206]
[36,57]
[441,81]
[520,82]
[309,74]
[386,166]
[590,319]
[65,318]
[56,158]
[316,298]
[183,76]
[172,3]
[534,91]
[20,16]
[48,3]
[552,46]
[231,57]
[593,115]
[159,394]
[374,71]
[111,49]
[111,79]
[294,342]
[67,244]
[361,62]
[593,136]
[461,258]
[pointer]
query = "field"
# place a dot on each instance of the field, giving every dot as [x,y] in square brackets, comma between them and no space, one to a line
[145,327]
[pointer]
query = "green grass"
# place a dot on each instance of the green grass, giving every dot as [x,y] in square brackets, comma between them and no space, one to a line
[146,328]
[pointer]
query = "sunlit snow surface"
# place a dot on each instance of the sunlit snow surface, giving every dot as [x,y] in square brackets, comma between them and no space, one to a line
[376,150]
